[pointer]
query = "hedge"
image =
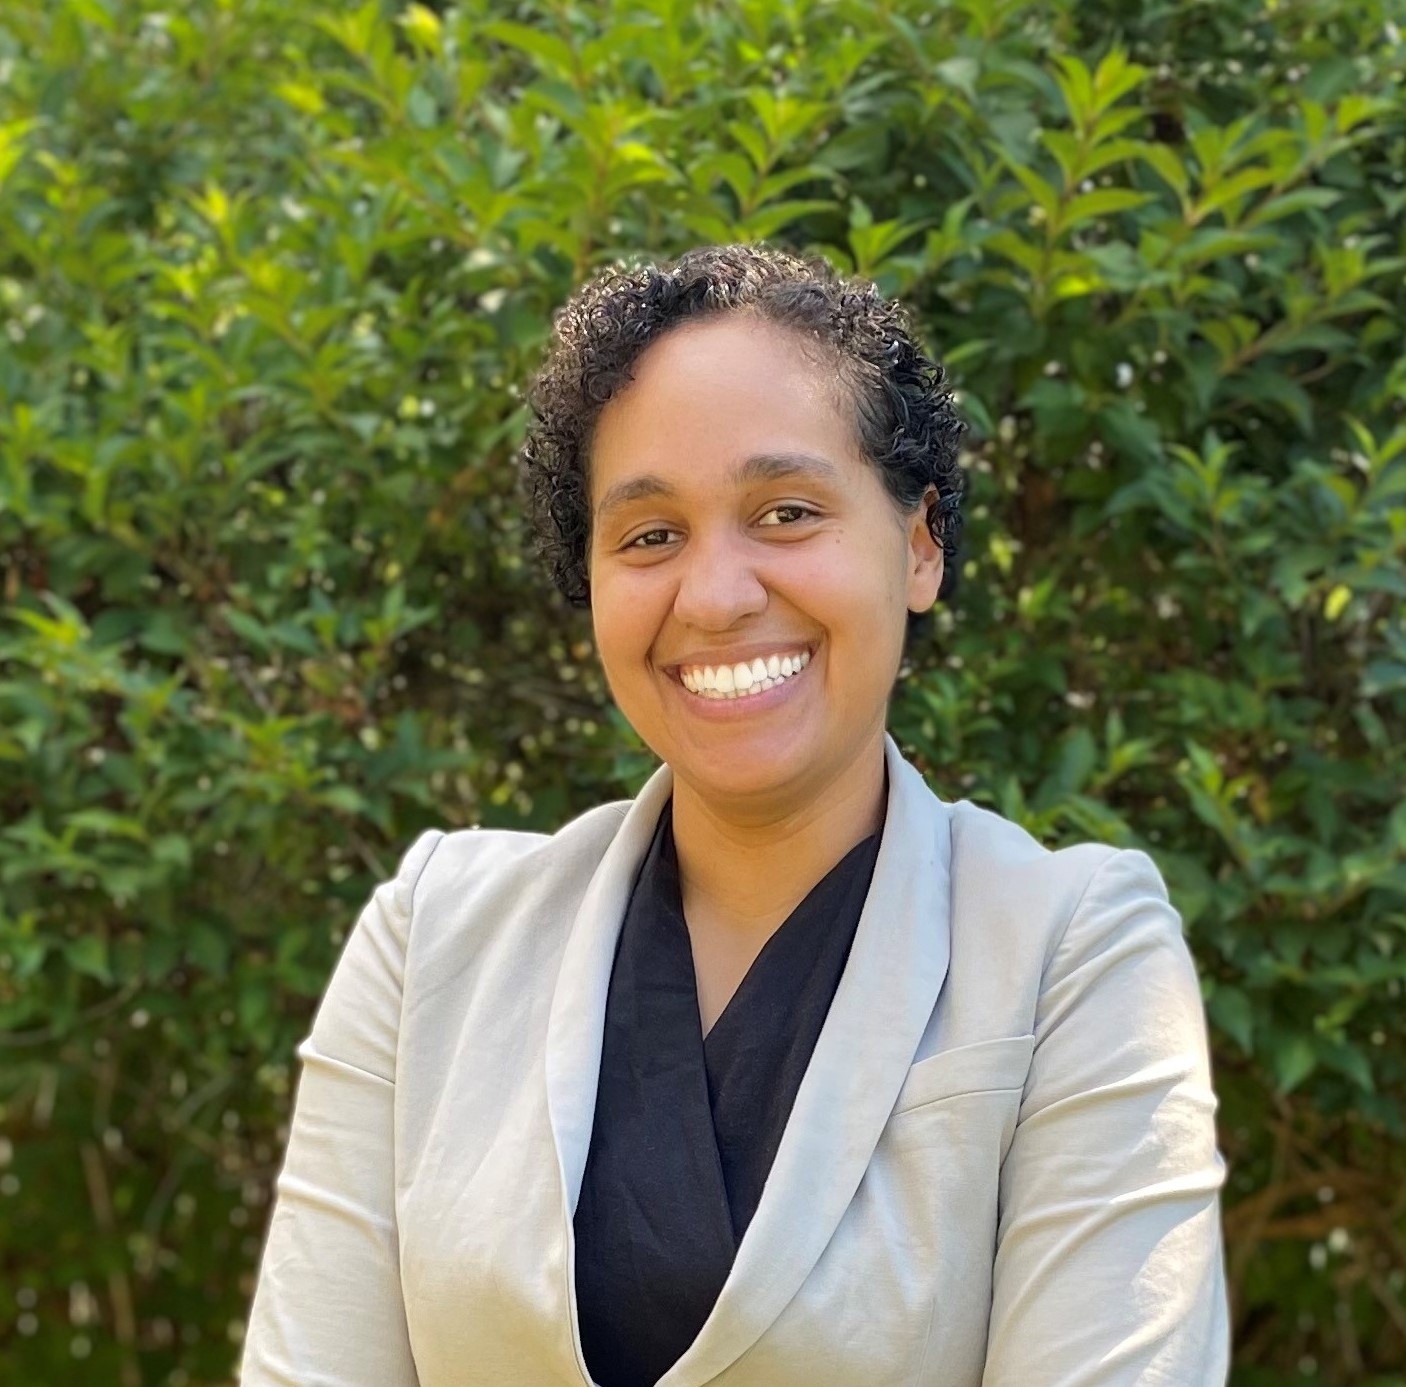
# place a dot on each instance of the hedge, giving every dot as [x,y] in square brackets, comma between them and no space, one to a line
[273,279]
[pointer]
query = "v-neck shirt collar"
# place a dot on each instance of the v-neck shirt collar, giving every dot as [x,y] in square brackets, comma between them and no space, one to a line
[686,1127]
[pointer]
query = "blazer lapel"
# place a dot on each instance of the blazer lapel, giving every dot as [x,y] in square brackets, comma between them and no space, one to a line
[891,982]
[576,1024]
[895,971]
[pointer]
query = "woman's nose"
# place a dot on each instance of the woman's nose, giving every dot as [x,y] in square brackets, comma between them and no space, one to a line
[719,583]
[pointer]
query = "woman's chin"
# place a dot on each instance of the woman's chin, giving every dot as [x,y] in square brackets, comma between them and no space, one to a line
[750,766]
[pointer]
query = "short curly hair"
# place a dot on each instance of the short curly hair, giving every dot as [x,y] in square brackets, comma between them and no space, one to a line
[907,424]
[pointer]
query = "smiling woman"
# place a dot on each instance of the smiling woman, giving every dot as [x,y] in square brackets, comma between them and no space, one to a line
[867,364]
[789,1070]
[775,535]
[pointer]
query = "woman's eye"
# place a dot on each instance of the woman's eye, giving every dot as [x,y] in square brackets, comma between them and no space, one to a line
[635,543]
[804,510]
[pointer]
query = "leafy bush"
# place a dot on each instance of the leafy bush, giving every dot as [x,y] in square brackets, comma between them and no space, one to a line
[272,279]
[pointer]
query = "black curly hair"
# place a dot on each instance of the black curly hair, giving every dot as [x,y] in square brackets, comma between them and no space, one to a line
[906,422]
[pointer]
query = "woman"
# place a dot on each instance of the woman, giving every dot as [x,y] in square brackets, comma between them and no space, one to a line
[788,1070]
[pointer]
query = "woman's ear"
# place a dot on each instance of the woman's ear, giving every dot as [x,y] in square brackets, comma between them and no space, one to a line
[925,557]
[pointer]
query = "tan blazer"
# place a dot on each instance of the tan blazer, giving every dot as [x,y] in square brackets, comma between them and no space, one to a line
[1000,1171]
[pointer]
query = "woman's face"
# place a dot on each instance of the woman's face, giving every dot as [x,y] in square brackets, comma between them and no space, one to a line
[693,563]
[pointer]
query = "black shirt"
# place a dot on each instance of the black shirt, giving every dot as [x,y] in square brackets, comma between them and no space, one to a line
[686,1127]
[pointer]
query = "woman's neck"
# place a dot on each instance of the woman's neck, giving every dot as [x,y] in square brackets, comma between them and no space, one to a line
[743,880]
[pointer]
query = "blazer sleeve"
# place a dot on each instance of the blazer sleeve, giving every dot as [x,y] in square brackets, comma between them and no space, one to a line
[1109,1267]
[327,1308]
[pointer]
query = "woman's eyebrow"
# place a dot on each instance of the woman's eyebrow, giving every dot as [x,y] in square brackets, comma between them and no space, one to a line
[760,467]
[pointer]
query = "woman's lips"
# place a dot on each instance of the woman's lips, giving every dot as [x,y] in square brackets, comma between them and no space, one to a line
[751,703]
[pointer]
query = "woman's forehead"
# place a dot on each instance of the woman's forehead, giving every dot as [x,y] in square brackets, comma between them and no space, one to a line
[726,354]
[717,395]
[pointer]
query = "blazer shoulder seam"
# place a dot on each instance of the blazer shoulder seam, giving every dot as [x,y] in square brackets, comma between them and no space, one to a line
[1058,943]
[440,836]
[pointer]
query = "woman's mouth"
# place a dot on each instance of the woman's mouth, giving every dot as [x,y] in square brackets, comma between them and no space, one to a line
[766,693]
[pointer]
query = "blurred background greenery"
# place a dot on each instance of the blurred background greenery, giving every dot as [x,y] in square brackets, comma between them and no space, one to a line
[273,279]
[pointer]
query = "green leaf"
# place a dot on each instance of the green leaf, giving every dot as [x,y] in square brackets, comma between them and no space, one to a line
[1042,193]
[1231,190]
[1134,435]
[1349,1061]
[1077,87]
[1102,202]
[767,221]
[88,955]
[1289,204]
[254,1006]
[1268,384]
[208,949]
[1010,244]
[1382,677]
[421,107]
[862,146]
[1116,77]
[355,29]
[1059,406]
[960,73]
[553,53]
[423,26]
[774,184]
[753,141]
[248,627]
[1075,761]
[106,824]
[344,798]
[1230,1009]
[969,350]
[1164,161]
[1294,1059]
[13,144]
[1078,161]
[162,953]
[872,245]
[172,850]
[785,117]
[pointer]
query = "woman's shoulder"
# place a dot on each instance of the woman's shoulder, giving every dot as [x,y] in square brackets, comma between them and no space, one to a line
[471,894]
[460,859]
[987,845]
[1027,919]
[1005,878]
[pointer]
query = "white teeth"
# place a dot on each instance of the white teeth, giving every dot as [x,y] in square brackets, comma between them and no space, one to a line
[741,680]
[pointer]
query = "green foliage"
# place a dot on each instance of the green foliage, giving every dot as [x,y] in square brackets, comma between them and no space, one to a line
[271,279]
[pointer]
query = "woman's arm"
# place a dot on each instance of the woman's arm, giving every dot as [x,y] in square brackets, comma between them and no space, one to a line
[1109,1264]
[327,1307]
